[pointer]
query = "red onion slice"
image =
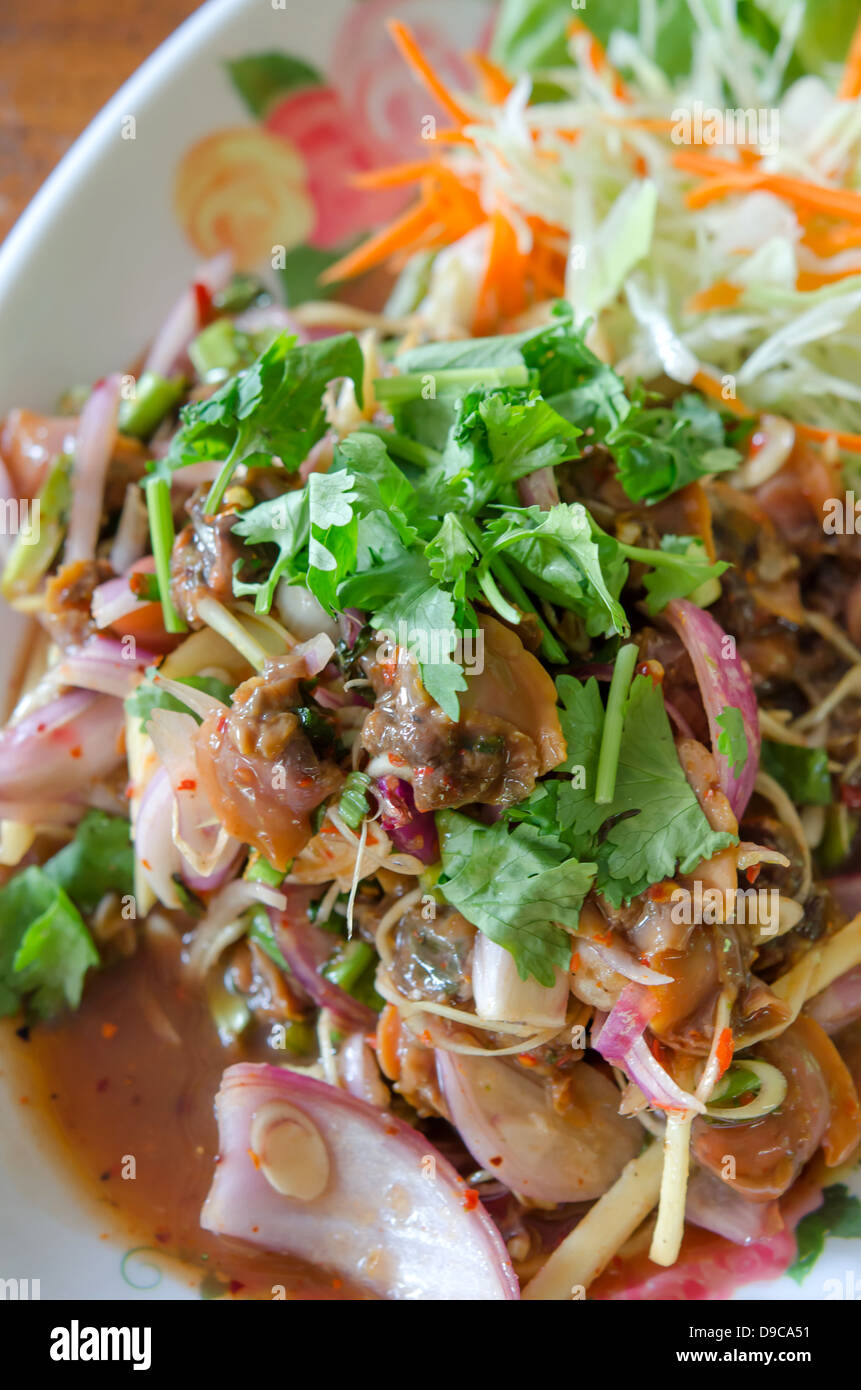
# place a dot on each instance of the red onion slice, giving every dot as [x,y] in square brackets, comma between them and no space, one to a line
[94,445]
[839,1004]
[511,1127]
[715,1206]
[372,1200]
[501,995]
[62,748]
[305,951]
[105,666]
[622,963]
[618,1036]
[846,891]
[410,831]
[539,489]
[723,681]
[183,322]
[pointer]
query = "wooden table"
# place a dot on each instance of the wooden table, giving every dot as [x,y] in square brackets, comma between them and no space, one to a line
[60,61]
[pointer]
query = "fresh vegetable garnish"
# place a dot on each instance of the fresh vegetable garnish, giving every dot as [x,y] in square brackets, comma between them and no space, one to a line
[839,1215]
[45,947]
[802,772]
[732,742]
[148,696]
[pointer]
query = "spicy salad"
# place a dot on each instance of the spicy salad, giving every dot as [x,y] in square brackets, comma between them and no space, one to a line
[439,744]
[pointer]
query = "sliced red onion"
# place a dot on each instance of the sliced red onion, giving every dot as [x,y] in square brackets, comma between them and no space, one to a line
[202,841]
[846,891]
[357,1068]
[508,1122]
[114,600]
[539,489]
[183,322]
[500,994]
[302,613]
[715,1206]
[623,964]
[618,1036]
[410,831]
[723,681]
[132,535]
[155,850]
[223,924]
[305,950]
[351,622]
[94,445]
[306,1170]
[104,665]
[678,719]
[61,748]
[839,1004]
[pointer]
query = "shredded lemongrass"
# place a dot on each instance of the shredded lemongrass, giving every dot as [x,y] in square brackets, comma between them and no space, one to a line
[407,1007]
[774,728]
[770,1094]
[773,792]
[444,1044]
[847,686]
[327,1052]
[793,989]
[829,630]
[228,626]
[351,901]
[327,903]
[390,917]
[821,966]
[582,1255]
[670,1225]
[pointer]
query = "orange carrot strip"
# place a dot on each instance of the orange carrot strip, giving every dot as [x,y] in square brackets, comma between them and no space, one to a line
[844,1124]
[844,440]
[497,84]
[394,175]
[597,57]
[723,294]
[450,136]
[705,382]
[850,85]
[698,514]
[827,241]
[378,247]
[836,202]
[388,1034]
[413,55]
[815,279]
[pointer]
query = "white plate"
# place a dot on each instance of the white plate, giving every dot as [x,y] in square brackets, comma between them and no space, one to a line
[85,278]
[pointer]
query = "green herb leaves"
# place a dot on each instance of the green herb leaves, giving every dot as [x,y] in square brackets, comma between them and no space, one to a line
[653,823]
[520,887]
[839,1215]
[802,772]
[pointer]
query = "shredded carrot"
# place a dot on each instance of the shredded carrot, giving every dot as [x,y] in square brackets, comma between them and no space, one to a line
[850,85]
[394,175]
[502,293]
[377,248]
[388,1035]
[728,177]
[844,440]
[827,241]
[710,386]
[723,294]
[698,514]
[725,1049]
[413,55]
[497,85]
[814,280]
[597,57]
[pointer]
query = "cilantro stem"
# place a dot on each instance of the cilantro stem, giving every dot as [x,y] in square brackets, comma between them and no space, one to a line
[225,473]
[161,535]
[550,648]
[422,455]
[413,385]
[489,588]
[611,738]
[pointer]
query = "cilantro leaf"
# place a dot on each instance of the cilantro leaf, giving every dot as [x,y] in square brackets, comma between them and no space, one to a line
[45,948]
[405,603]
[732,741]
[654,822]
[147,696]
[272,409]
[802,772]
[451,554]
[563,557]
[498,436]
[99,860]
[521,888]
[680,568]
[839,1215]
[660,450]
[333,539]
